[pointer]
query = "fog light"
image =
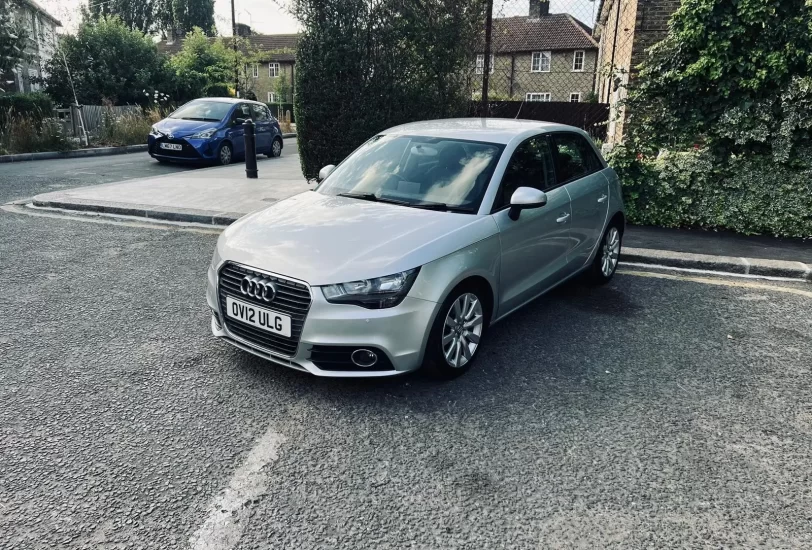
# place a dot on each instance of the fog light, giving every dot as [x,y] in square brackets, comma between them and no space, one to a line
[364,358]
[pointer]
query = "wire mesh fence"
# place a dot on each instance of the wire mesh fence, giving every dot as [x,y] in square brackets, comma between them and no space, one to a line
[558,52]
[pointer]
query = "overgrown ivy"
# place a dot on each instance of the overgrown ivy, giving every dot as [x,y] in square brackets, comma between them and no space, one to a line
[719,124]
[365,65]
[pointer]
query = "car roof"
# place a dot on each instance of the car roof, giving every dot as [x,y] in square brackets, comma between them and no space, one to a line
[228,100]
[492,130]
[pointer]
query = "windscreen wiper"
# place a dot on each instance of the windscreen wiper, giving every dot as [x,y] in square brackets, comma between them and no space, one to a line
[442,207]
[363,196]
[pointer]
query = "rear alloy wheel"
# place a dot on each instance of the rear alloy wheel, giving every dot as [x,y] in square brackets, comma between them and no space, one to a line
[605,263]
[276,148]
[224,154]
[456,334]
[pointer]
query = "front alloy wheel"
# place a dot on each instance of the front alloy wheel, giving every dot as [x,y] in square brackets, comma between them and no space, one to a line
[461,330]
[457,332]
[224,154]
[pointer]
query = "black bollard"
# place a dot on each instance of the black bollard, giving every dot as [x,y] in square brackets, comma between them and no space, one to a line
[250,149]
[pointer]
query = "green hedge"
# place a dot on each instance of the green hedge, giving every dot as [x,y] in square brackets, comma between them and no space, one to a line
[750,195]
[35,105]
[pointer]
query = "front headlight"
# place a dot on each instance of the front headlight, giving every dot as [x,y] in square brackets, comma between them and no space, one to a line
[205,134]
[378,293]
[154,131]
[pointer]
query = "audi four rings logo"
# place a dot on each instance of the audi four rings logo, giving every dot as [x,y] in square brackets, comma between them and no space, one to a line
[259,288]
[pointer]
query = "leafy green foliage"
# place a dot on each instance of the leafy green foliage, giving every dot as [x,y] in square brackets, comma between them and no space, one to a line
[719,130]
[13,36]
[365,65]
[36,106]
[727,74]
[750,194]
[202,66]
[138,15]
[108,61]
[282,89]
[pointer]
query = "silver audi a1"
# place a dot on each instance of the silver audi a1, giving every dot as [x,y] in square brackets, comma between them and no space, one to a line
[411,248]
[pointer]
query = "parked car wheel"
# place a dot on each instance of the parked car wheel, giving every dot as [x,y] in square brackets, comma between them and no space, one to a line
[224,154]
[457,332]
[605,263]
[276,148]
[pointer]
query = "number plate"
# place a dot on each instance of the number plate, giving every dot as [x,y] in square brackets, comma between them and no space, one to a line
[259,317]
[172,146]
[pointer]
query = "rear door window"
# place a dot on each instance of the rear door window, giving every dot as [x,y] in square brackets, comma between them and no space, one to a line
[259,113]
[574,157]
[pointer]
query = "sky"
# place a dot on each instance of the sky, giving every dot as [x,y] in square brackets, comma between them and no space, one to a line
[269,17]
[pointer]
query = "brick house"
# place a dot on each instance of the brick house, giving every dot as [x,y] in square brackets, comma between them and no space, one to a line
[278,58]
[42,41]
[540,57]
[624,30]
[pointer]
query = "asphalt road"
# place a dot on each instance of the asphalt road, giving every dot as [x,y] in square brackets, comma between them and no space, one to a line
[22,180]
[651,412]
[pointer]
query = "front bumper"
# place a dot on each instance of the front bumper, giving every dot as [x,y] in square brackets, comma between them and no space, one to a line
[192,150]
[400,332]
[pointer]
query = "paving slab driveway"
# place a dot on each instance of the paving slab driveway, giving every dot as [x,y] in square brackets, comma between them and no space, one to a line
[652,412]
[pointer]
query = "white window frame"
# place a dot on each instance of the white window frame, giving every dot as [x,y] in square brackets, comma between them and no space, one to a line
[536,61]
[271,97]
[575,95]
[575,60]
[274,69]
[256,70]
[480,64]
[538,96]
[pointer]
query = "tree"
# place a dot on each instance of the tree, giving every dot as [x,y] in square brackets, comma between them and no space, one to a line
[364,65]
[202,65]
[176,18]
[107,61]
[135,14]
[13,36]
[732,75]
[281,89]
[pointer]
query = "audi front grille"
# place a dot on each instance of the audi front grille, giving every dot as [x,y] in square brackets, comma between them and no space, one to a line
[292,298]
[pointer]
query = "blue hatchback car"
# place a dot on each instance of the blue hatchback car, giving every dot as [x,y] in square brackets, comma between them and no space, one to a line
[210,130]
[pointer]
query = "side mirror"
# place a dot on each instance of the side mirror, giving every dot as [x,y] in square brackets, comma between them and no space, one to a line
[525,198]
[238,121]
[326,171]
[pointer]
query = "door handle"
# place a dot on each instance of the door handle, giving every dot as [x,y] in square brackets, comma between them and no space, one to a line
[563,218]
[602,199]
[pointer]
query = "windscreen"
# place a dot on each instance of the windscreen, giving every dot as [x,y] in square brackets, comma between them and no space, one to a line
[417,171]
[210,111]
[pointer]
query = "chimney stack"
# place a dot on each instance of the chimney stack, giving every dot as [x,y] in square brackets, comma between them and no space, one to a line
[539,8]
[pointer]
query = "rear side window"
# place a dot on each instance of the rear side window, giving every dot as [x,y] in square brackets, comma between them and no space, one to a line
[530,166]
[574,157]
[260,113]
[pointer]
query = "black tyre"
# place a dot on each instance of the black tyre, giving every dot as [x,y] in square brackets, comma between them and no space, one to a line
[457,332]
[605,263]
[225,154]
[276,148]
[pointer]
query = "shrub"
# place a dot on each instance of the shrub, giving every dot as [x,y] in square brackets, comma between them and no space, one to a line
[750,194]
[30,134]
[126,129]
[36,106]
[364,65]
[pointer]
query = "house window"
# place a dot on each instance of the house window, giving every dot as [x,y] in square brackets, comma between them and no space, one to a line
[480,64]
[540,62]
[273,70]
[537,96]
[256,70]
[578,61]
[272,97]
[575,97]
